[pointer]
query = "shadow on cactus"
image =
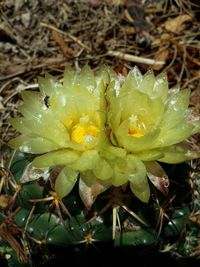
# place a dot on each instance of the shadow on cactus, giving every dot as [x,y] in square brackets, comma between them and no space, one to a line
[97,152]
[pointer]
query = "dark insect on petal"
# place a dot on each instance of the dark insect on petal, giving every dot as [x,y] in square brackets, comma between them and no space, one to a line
[46,101]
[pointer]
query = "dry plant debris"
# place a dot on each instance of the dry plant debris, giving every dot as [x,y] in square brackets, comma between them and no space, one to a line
[38,36]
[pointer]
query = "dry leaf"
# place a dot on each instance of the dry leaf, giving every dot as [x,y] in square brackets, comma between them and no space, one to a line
[177,24]
[67,51]
[161,55]
[13,69]
[158,176]
[161,40]
[32,173]
[5,201]
[90,187]
[165,37]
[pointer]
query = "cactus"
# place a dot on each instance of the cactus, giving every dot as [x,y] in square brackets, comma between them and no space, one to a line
[76,199]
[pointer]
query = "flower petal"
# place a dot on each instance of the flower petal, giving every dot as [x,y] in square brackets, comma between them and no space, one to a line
[32,144]
[160,88]
[108,151]
[87,79]
[157,176]
[132,81]
[147,84]
[121,172]
[87,161]
[49,85]
[179,100]
[61,157]
[174,136]
[65,181]
[138,179]
[150,155]
[69,78]
[18,124]
[176,111]
[142,191]
[103,170]
[52,130]
[134,144]
[90,187]
[30,97]
[31,173]
[178,154]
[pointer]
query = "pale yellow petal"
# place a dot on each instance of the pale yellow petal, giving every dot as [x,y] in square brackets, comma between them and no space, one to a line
[86,161]
[132,81]
[103,170]
[160,87]
[69,78]
[19,125]
[174,136]
[147,84]
[178,154]
[134,144]
[138,180]
[32,144]
[65,181]
[60,157]
[49,85]
[150,155]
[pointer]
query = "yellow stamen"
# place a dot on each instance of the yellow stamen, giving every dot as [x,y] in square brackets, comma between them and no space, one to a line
[135,133]
[135,126]
[84,134]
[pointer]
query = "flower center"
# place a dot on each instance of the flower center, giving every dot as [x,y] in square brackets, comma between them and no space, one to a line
[135,133]
[82,134]
[136,127]
[85,133]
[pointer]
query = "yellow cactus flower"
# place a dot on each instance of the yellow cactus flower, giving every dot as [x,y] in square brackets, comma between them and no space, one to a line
[65,122]
[148,121]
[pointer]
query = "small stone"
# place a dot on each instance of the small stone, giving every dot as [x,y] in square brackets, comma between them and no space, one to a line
[25,19]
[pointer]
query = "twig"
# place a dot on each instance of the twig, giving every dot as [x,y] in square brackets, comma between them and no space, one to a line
[134,215]
[133,58]
[20,88]
[75,39]
[183,64]
[173,59]
[60,41]
[191,80]
[31,68]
